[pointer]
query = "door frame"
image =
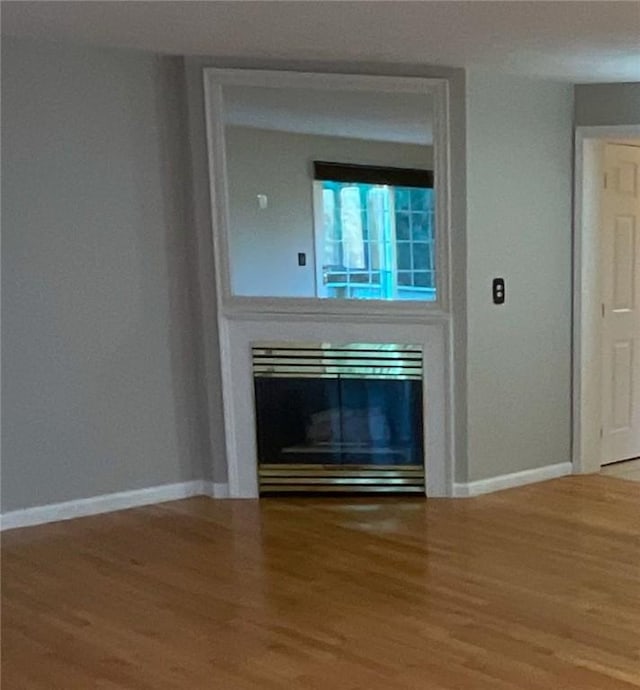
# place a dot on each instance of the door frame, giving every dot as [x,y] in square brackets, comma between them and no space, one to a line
[587,296]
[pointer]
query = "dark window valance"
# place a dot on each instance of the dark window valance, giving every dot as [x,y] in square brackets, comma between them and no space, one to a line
[372,174]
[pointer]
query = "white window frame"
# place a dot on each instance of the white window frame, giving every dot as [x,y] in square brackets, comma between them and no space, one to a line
[215,80]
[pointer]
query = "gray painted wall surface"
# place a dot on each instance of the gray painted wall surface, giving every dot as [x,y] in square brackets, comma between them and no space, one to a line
[519,163]
[607,104]
[101,391]
[110,346]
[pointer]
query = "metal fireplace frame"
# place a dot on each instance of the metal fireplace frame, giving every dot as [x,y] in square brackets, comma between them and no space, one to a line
[378,361]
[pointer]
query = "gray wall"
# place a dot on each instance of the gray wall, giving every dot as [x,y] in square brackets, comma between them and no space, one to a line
[519,163]
[264,243]
[100,350]
[607,104]
[111,378]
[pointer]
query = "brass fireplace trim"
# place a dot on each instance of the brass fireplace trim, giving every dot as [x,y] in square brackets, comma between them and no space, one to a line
[324,360]
[297,477]
[300,345]
[336,488]
[355,470]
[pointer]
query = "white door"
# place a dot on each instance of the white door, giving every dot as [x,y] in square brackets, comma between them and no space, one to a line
[621,303]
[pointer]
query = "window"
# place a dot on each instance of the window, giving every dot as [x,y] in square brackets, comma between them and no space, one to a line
[376,234]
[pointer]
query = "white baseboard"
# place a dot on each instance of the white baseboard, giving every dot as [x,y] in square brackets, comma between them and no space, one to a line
[108,503]
[215,489]
[219,490]
[509,481]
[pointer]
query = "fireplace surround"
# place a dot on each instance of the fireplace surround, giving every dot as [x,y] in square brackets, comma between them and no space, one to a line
[240,333]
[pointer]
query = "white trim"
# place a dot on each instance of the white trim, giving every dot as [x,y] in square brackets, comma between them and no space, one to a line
[334,81]
[214,80]
[107,503]
[508,481]
[229,392]
[586,357]
[219,490]
[307,309]
[214,489]
[320,290]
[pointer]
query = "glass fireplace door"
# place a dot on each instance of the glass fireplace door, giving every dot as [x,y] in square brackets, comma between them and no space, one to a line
[339,418]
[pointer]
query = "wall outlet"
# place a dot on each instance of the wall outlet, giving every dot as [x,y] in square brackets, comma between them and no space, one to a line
[498,291]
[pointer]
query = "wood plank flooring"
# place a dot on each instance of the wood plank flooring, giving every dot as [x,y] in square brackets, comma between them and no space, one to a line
[535,588]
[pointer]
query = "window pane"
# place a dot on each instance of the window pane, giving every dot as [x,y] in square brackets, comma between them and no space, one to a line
[419,199]
[351,220]
[422,279]
[404,256]
[420,226]
[421,256]
[403,226]
[331,231]
[377,217]
[329,214]
[404,278]
[401,198]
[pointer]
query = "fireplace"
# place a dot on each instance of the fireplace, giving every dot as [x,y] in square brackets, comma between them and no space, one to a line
[339,418]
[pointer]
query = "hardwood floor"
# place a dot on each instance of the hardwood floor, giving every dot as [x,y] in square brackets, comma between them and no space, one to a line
[536,588]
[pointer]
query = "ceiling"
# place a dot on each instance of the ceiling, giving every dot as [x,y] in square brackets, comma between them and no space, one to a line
[564,40]
[372,115]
